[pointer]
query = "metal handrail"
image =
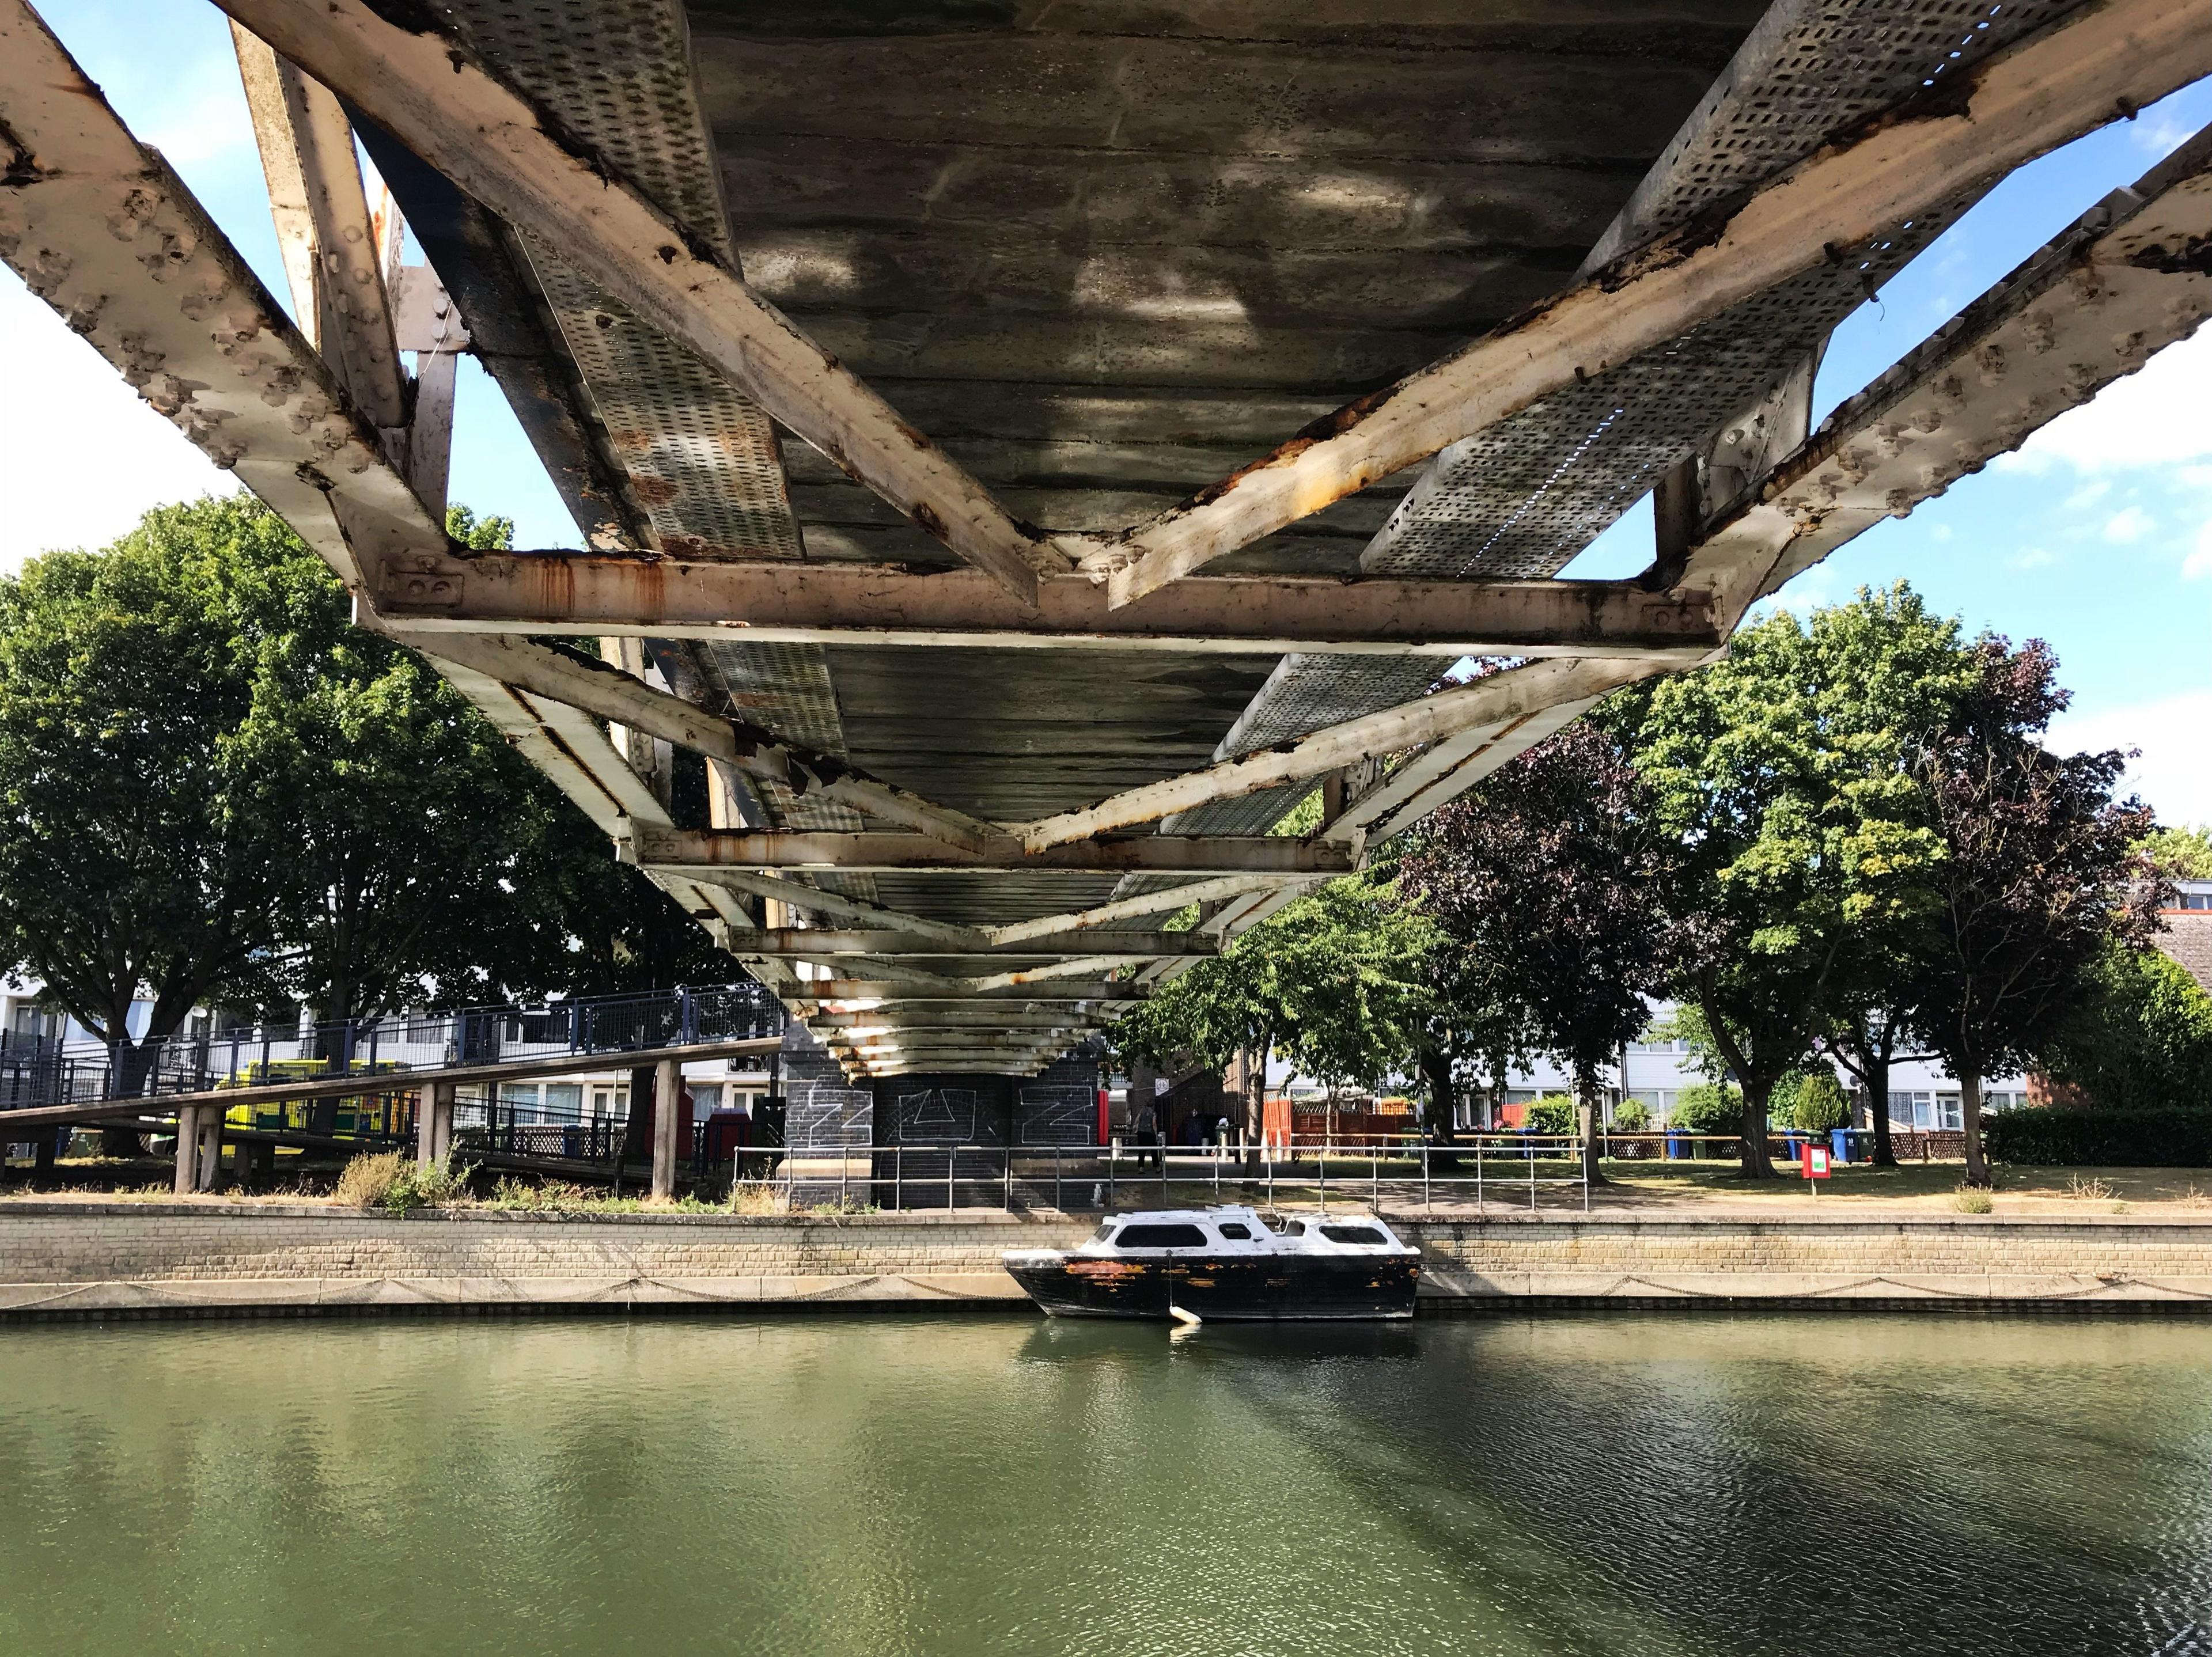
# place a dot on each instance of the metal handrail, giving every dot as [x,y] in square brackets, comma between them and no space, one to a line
[87,1072]
[805,1174]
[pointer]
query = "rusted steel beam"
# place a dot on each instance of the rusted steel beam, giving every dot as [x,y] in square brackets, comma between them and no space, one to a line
[1128,908]
[598,596]
[793,895]
[2133,275]
[690,853]
[600,688]
[427,88]
[315,192]
[860,994]
[1499,698]
[102,229]
[826,943]
[2100,64]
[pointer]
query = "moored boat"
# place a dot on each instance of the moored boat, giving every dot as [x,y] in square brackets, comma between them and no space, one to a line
[1225,1263]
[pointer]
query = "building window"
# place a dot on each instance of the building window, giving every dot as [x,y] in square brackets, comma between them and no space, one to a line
[564,1100]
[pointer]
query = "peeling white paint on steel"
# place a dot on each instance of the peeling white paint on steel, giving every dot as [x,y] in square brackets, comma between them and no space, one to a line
[427,90]
[613,694]
[861,604]
[315,190]
[871,852]
[1502,696]
[2100,64]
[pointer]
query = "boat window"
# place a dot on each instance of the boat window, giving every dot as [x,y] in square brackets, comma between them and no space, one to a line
[1355,1234]
[1235,1232]
[1103,1233]
[1160,1236]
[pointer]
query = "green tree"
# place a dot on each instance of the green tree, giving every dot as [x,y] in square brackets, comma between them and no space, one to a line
[1892,678]
[131,855]
[2179,853]
[216,787]
[1801,834]
[1335,981]
[2142,1040]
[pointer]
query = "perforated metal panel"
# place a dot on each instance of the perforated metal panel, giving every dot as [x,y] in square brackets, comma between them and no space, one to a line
[702,458]
[785,689]
[1305,693]
[1522,498]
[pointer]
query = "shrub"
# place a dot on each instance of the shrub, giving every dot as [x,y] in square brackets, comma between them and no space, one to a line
[1553,1114]
[1632,1116]
[393,1179]
[2066,1138]
[365,1181]
[1708,1108]
[1972,1199]
[1819,1104]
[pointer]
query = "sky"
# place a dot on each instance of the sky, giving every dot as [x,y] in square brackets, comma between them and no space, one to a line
[2096,535]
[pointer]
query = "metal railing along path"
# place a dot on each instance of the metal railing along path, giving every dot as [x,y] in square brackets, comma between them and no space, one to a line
[276,1053]
[1506,1170]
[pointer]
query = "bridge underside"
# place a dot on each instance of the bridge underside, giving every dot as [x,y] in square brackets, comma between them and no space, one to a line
[1023,451]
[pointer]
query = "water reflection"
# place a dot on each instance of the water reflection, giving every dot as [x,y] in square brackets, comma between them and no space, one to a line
[885,1486]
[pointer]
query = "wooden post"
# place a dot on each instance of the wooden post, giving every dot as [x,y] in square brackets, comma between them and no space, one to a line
[667,1082]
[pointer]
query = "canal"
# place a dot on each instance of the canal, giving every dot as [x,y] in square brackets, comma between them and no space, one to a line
[896,1484]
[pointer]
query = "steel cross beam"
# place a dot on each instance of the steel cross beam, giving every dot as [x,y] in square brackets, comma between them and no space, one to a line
[819,943]
[698,855]
[2104,61]
[594,594]
[427,89]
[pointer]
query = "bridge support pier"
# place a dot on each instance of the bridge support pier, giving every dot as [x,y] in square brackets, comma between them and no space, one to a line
[199,1148]
[667,1087]
[433,1123]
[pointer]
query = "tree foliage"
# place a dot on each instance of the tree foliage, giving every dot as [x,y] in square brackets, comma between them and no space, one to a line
[2142,1041]
[2037,876]
[1544,879]
[218,788]
[2179,853]
[131,853]
[1334,981]
[1780,774]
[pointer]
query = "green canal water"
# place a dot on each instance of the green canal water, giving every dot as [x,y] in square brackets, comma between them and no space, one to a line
[885,1486]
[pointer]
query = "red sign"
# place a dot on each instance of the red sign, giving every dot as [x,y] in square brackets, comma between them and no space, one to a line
[1815,1165]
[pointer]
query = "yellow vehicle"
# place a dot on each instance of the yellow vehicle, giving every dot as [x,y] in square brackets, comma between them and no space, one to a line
[390,1114]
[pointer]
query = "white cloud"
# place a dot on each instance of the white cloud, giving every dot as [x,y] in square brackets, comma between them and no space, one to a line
[2088,495]
[2033,558]
[2129,526]
[2175,735]
[2159,417]
[81,457]
[2198,565]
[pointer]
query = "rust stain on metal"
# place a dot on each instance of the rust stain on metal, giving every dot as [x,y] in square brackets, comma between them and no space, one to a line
[927,520]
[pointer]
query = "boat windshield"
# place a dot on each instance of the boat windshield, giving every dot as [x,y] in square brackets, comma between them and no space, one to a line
[1355,1234]
[1103,1233]
[1160,1236]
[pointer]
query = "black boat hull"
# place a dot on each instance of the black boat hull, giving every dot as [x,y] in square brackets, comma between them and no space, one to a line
[1272,1288]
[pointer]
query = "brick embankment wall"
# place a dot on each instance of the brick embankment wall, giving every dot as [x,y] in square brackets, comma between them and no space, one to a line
[78,1258]
[72,1258]
[1921,1258]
